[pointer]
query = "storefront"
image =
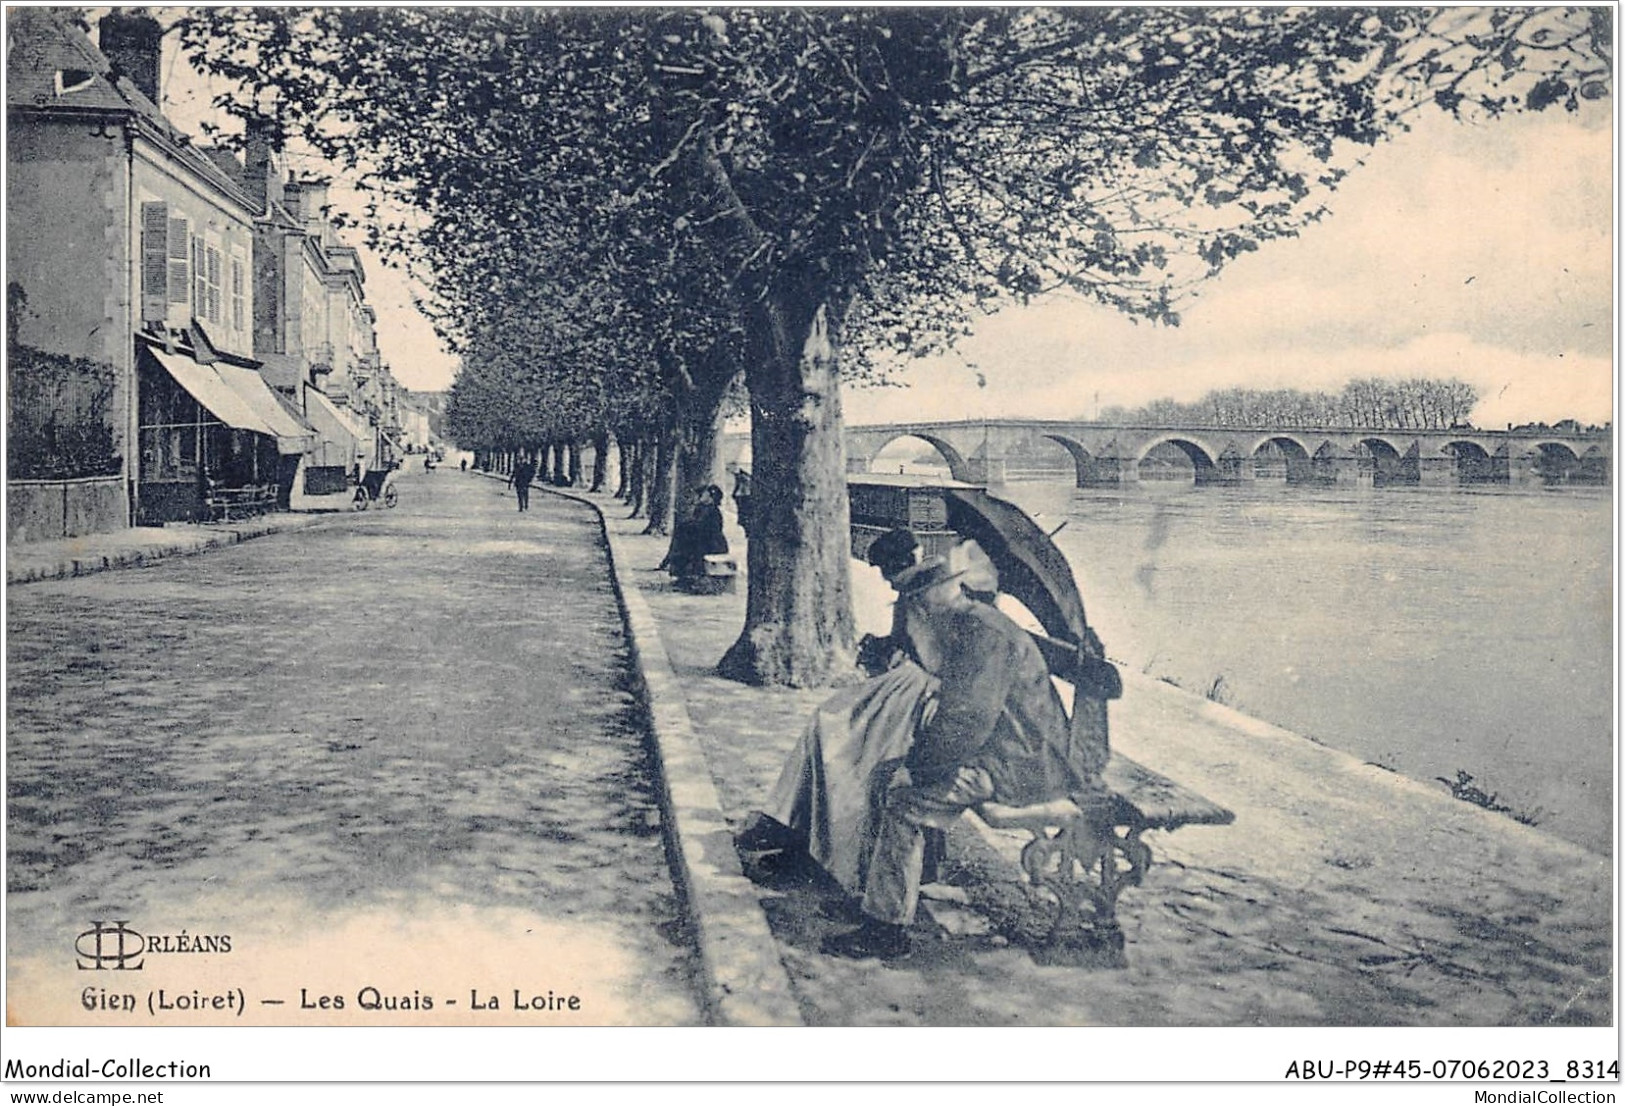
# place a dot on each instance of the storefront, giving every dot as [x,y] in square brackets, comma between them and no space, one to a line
[214,440]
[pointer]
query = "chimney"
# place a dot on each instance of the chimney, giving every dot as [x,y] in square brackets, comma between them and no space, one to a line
[306,201]
[262,172]
[134,44]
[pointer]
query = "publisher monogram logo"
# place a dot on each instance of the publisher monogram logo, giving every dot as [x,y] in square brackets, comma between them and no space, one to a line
[110,946]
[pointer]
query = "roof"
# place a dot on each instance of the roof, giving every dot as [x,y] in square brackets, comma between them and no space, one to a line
[43,42]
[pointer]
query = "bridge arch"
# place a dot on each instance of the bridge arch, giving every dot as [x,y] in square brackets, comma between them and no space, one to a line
[1387,464]
[1286,443]
[1283,456]
[958,467]
[1474,465]
[1555,462]
[1595,466]
[1201,460]
[1082,460]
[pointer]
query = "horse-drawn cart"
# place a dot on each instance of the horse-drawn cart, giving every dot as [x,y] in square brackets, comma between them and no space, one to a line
[377,485]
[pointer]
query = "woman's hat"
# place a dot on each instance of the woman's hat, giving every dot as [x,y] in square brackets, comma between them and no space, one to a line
[927,574]
[894,551]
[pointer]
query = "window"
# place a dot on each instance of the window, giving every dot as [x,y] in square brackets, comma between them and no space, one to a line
[72,80]
[205,281]
[238,289]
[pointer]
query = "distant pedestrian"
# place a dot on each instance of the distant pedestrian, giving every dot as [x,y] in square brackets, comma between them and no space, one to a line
[741,498]
[463,464]
[524,471]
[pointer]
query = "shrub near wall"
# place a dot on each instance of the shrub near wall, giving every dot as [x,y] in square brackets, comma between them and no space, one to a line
[57,420]
[63,465]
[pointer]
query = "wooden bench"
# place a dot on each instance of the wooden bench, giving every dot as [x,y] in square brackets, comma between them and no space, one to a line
[1085,850]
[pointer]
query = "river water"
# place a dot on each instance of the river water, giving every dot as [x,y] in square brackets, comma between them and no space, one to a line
[1429,630]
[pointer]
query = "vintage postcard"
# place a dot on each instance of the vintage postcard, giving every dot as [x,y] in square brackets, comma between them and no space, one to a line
[1091,520]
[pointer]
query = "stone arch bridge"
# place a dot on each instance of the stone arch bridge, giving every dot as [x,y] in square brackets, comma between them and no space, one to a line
[983,451]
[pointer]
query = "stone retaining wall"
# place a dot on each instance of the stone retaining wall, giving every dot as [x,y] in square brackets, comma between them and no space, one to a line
[46,510]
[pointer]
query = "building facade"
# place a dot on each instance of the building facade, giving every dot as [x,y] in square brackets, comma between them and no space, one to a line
[187,329]
[129,249]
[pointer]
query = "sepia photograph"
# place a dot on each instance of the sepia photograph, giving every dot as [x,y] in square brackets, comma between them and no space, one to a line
[1089,520]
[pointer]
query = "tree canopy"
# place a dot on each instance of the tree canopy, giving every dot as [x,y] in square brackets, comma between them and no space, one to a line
[794,193]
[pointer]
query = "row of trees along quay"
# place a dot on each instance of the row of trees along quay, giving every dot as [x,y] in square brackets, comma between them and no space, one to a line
[622,212]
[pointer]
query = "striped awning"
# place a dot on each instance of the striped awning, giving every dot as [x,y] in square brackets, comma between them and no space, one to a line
[204,384]
[292,434]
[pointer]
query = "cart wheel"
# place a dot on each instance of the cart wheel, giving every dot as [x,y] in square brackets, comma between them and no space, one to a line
[391,497]
[362,499]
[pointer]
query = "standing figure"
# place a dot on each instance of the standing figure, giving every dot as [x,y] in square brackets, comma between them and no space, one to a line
[697,535]
[524,471]
[741,498]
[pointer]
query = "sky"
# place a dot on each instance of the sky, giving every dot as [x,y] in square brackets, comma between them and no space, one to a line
[1482,251]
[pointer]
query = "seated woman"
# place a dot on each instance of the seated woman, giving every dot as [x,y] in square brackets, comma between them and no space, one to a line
[824,802]
[697,535]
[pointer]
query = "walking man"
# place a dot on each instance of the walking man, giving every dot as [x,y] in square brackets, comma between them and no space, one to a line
[524,471]
[741,498]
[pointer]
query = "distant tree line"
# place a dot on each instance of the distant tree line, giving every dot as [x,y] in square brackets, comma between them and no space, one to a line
[1415,404]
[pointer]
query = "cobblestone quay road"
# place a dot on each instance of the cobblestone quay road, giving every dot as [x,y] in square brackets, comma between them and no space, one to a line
[393,760]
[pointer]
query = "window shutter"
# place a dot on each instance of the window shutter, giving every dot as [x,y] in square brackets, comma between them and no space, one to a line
[179,275]
[237,319]
[154,262]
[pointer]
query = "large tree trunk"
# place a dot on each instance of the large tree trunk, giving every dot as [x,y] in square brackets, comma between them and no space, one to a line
[798,613]
[798,616]
[626,452]
[600,460]
[574,469]
[640,476]
[558,478]
[660,489]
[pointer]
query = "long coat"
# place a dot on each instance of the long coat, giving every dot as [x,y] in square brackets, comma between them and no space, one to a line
[996,710]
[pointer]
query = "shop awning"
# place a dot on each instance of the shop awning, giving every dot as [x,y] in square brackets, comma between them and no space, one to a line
[203,384]
[292,435]
[358,427]
[344,439]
